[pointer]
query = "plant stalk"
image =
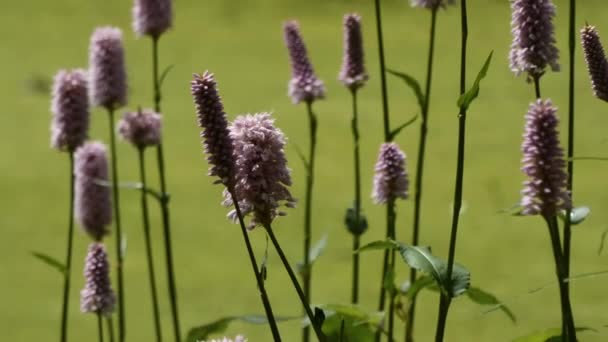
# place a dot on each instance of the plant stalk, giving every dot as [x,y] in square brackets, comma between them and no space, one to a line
[110,327]
[409,325]
[537,86]
[385,111]
[357,234]
[392,218]
[305,301]
[148,242]
[388,264]
[68,257]
[100,326]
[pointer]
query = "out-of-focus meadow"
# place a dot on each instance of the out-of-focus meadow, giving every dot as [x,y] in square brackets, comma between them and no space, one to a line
[241,42]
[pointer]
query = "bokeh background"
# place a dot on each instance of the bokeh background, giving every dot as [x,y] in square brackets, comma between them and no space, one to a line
[241,41]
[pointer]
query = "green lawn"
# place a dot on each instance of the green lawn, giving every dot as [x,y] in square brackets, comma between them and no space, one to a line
[241,41]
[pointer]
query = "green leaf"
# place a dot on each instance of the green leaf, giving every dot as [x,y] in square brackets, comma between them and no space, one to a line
[549,335]
[339,328]
[465,100]
[220,325]
[164,74]
[378,245]
[398,130]
[412,83]
[421,283]
[421,259]
[602,242]
[389,281]
[482,297]
[50,261]
[577,215]
[315,251]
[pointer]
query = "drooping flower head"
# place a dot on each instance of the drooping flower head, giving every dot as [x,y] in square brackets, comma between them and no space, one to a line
[93,207]
[261,174]
[97,295]
[70,108]
[152,17]
[533,47]
[353,73]
[217,142]
[107,68]
[238,338]
[304,84]
[390,178]
[545,191]
[597,65]
[432,4]
[141,128]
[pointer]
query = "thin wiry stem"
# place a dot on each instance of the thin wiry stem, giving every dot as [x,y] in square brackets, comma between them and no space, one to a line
[306,274]
[165,201]
[385,111]
[68,257]
[392,218]
[409,326]
[305,301]
[119,253]
[537,86]
[110,327]
[356,235]
[446,299]
[388,264]
[100,326]
[148,243]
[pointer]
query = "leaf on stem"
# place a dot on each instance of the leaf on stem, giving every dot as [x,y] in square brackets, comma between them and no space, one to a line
[313,254]
[398,130]
[577,215]
[412,83]
[50,261]
[482,297]
[164,74]
[358,326]
[220,325]
[378,245]
[602,241]
[465,100]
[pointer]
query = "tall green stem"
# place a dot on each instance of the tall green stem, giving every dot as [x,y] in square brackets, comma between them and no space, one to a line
[119,253]
[148,242]
[446,299]
[165,201]
[356,233]
[383,87]
[305,301]
[388,265]
[110,327]
[409,326]
[68,257]
[100,327]
[310,169]
[392,218]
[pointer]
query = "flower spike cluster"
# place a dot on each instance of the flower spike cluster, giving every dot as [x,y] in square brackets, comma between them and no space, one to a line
[97,295]
[141,128]
[545,191]
[107,68]
[217,142]
[597,65]
[390,179]
[353,73]
[152,17]
[70,108]
[93,207]
[432,4]
[304,84]
[261,173]
[533,47]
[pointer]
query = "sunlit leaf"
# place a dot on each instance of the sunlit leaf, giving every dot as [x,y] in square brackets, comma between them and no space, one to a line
[50,261]
[398,130]
[577,215]
[421,283]
[412,83]
[378,245]
[467,98]
[549,335]
[482,297]
[315,251]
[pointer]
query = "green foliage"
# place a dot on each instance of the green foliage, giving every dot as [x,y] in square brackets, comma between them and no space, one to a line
[314,253]
[577,215]
[411,82]
[482,297]
[50,261]
[219,326]
[350,323]
[549,335]
[398,130]
[467,98]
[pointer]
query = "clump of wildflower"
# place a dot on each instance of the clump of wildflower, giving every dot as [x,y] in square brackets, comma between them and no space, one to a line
[597,65]
[533,47]
[93,207]
[152,17]
[141,128]
[70,108]
[261,174]
[211,117]
[107,68]
[432,4]
[97,295]
[304,84]
[353,73]
[390,178]
[545,191]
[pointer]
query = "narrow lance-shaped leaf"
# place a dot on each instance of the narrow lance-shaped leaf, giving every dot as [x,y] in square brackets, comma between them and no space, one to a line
[467,98]
[378,245]
[49,260]
[398,130]
[482,297]
[412,83]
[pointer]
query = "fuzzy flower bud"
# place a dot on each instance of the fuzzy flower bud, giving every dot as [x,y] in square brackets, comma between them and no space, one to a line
[261,173]
[304,84]
[217,142]
[70,108]
[97,295]
[93,207]
[596,61]
[152,17]
[545,191]
[107,68]
[141,128]
[390,180]
[238,338]
[353,73]
[533,47]
[432,4]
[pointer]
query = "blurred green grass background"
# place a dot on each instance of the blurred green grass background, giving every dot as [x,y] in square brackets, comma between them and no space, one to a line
[241,41]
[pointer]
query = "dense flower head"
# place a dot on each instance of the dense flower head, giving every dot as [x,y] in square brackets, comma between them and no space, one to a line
[93,207]
[238,338]
[152,17]
[304,84]
[217,142]
[97,295]
[141,128]
[390,178]
[70,108]
[432,4]
[545,191]
[353,73]
[107,68]
[597,65]
[533,47]
[261,173]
